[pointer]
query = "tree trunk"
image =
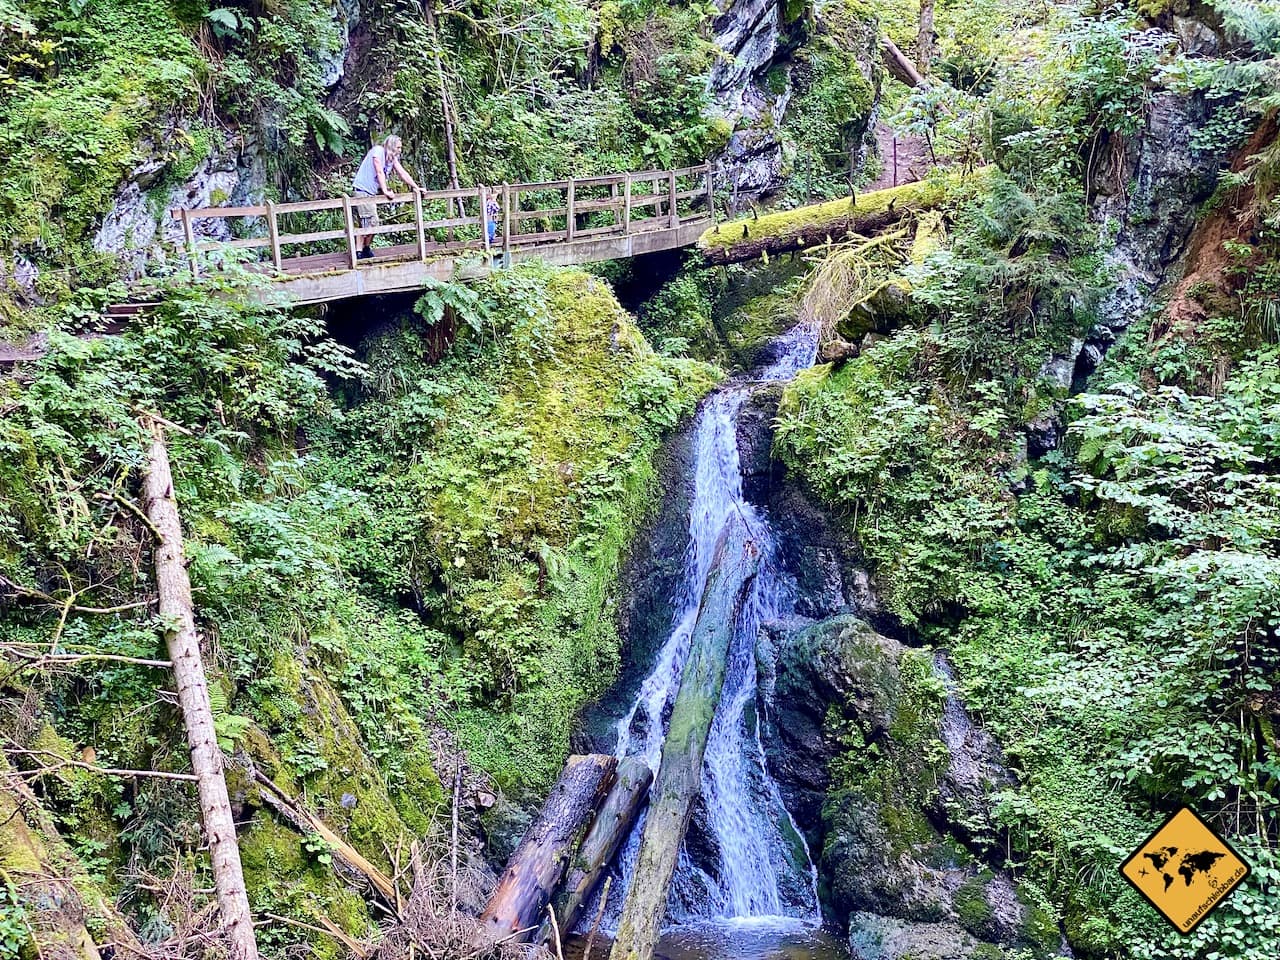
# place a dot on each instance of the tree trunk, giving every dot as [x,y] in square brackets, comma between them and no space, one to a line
[925,38]
[178,614]
[680,773]
[446,105]
[899,64]
[612,824]
[786,230]
[536,869]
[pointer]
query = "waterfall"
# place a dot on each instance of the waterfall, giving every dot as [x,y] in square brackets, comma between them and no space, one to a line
[753,862]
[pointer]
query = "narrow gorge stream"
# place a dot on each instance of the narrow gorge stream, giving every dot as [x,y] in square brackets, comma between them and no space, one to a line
[746,884]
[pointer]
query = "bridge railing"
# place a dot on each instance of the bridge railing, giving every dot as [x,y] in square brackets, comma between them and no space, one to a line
[304,236]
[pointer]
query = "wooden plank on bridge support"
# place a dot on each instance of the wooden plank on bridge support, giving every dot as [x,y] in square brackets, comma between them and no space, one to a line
[626,205]
[482,197]
[571,216]
[349,223]
[417,220]
[190,235]
[273,232]
[506,223]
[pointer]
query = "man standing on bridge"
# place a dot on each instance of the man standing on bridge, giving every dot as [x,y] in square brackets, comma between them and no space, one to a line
[371,180]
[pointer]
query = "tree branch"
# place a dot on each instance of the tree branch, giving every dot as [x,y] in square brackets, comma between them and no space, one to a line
[135,512]
[63,762]
[41,659]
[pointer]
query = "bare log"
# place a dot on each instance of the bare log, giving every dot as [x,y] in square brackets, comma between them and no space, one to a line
[610,828]
[538,866]
[177,612]
[680,773]
[899,64]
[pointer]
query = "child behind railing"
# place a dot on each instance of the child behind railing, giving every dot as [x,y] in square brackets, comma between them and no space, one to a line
[490,214]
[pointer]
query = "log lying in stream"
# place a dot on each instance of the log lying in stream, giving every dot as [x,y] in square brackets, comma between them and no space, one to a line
[538,866]
[611,827]
[680,773]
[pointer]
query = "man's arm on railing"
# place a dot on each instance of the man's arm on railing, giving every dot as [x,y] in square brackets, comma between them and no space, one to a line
[403,174]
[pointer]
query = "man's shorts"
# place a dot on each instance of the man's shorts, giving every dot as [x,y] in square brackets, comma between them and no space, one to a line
[367,212]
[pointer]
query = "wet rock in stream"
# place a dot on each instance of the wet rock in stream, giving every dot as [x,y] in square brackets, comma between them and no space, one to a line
[893,783]
[824,565]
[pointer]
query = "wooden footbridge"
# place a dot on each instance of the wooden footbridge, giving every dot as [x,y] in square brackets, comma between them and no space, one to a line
[310,247]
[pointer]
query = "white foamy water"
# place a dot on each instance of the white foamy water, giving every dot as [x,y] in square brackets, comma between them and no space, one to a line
[753,863]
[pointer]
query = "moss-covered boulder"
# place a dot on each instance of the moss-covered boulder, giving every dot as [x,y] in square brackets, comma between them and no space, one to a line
[874,728]
[50,907]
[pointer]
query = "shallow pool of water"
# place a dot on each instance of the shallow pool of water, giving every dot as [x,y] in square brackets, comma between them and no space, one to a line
[756,938]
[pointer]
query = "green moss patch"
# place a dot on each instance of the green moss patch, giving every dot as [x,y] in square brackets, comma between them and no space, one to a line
[867,206]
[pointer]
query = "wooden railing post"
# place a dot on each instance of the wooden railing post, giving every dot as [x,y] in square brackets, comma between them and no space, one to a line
[189,233]
[506,223]
[273,232]
[711,193]
[571,225]
[418,222]
[626,204]
[351,230]
[482,198]
[671,198]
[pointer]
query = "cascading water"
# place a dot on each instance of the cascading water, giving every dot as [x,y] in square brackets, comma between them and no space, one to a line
[754,863]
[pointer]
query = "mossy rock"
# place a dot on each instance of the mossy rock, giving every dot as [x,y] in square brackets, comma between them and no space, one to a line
[317,750]
[285,878]
[973,909]
[1039,928]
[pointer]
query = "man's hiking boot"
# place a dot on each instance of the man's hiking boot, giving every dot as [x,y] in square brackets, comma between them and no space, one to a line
[365,255]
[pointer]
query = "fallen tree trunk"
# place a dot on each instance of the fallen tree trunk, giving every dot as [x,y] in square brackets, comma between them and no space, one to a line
[177,613]
[536,869]
[776,233]
[680,773]
[612,824]
[899,64]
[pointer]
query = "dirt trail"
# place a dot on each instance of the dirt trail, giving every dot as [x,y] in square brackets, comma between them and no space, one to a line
[911,154]
[32,349]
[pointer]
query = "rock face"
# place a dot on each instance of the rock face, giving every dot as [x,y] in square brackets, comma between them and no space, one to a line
[333,63]
[138,228]
[752,84]
[1149,188]
[825,566]
[20,276]
[652,577]
[1168,177]
[878,759]
[749,32]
